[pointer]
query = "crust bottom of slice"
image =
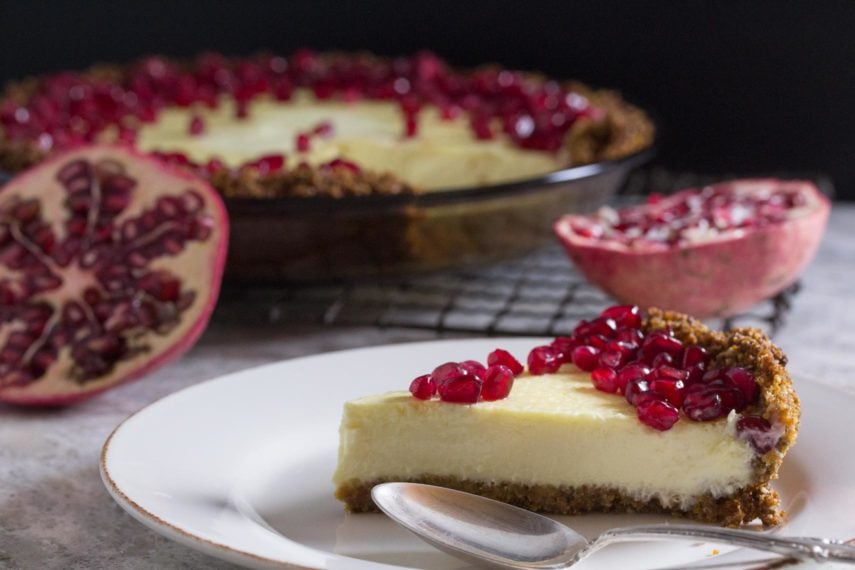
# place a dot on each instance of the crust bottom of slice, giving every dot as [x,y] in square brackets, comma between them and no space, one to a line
[742,507]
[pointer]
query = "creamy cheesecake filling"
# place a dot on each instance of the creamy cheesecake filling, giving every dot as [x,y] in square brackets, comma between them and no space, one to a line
[444,154]
[551,430]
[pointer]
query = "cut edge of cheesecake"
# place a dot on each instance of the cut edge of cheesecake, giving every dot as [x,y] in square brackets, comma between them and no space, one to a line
[777,403]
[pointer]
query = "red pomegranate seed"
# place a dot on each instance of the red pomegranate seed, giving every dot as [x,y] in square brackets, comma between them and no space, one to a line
[564,346]
[270,163]
[693,356]
[543,360]
[634,388]
[423,387]
[695,374]
[745,381]
[586,357]
[758,432]
[701,404]
[657,343]
[672,390]
[498,381]
[460,390]
[629,337]
[662,359]
[633,371]
[303,142]
[624,315]
[665,371]
[197,125]
[448,371]
[505,358]
[605,380]
[611,358]
[323,129]
[658,414]
[474,368]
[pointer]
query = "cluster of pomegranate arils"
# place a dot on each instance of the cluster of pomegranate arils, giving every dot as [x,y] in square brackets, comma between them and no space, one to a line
[656,373]
[127,294]
[67,109]
[469,381]
[692,215]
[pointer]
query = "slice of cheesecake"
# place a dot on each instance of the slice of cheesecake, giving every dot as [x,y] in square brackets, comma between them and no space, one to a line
[559,444]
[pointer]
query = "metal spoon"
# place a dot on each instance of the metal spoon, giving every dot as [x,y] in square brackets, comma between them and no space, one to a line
[499,535]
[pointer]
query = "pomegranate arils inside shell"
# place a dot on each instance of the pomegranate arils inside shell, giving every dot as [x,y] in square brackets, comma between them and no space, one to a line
[658,414]
[423,387]
[543,360]
[505,358]
[707,252]
[99,282]
[498,381]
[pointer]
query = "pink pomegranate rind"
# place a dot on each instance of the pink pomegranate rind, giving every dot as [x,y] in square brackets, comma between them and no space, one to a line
[110,266]
[718,276]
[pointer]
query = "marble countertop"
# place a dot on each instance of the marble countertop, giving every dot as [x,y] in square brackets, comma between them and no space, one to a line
[55,513]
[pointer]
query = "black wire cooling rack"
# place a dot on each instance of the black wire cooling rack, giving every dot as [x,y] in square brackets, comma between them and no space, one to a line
[540,294]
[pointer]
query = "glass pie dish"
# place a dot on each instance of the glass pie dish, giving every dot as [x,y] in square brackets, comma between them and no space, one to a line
[323,239]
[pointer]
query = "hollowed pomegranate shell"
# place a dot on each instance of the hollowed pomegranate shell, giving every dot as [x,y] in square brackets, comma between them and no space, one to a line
[718,275]
[110,266]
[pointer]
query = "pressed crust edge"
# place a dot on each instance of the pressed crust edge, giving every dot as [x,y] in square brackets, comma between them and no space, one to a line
[749,348]
[741,507]
[625,130]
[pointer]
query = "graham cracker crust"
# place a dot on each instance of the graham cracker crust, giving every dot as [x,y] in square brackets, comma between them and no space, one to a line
[740,508]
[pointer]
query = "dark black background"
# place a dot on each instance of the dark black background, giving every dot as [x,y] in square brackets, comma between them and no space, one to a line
[738,86]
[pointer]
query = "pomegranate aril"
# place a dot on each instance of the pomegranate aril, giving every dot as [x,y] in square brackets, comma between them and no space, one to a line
[302,142]
[744,381]
[564,346]
[505,358]
[498,381]
[624,315]
[543,360]
[663,359]
[423,387]
[611,359]
[605,380]
[586,357]
[460,390]
[703,405]
[671,390]
[632,371]
[474,368]
[634,388]
[665,371]
[447,372]
[759,433]
[658,414]
[197,126]
[692,356]
[658,343]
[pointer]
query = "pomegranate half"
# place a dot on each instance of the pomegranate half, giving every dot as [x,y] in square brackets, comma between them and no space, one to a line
[110,265]
[713,251]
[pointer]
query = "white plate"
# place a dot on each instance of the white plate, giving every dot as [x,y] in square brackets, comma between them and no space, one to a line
[240,467]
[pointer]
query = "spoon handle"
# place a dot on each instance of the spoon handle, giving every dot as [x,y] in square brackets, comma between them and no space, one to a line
[818,549]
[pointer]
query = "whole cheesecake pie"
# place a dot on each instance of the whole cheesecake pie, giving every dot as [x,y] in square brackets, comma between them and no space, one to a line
[630,413]
[334,124]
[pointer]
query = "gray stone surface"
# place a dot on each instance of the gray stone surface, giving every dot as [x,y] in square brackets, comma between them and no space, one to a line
[55,513]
